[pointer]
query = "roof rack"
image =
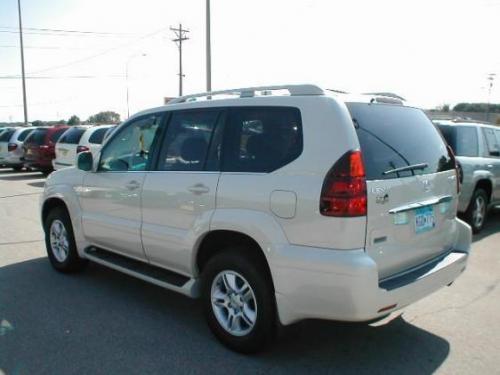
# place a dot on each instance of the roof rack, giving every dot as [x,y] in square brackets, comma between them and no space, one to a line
[249,92]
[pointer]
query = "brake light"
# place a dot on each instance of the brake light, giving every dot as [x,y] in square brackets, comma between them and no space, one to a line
[12,147]
[81,149]
[458,168]
[344,188]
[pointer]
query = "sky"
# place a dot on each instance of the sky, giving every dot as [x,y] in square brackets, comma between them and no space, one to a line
[432,52]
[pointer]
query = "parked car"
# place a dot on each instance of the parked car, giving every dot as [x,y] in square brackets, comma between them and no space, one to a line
[11,147]
[93,138]
[40,148]
[271,208]
[66,146]
[477,149]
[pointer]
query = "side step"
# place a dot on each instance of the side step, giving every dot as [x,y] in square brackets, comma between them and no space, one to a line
[144,271]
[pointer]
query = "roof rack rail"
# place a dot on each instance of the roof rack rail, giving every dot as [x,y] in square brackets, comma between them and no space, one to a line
[248,92]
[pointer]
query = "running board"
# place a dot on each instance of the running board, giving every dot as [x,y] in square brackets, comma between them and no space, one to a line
[144,271]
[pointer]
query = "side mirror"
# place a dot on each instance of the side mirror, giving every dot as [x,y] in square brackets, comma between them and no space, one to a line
[85,161]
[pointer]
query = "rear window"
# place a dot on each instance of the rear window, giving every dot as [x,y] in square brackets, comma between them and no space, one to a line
[98,135]
[24,134]
[54,137]
[37,137]
[396,136]
[6,134]
[72,136]
[462,139]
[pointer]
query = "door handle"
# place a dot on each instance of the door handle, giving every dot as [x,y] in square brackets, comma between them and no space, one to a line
[133,185]
[199,189]
[489,166]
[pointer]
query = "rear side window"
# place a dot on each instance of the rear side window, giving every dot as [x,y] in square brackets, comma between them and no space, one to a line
[37,137]
[491,142]
[6,134]
[97,136]
[54,137]
[187,140]
[72,136]
[462,139]
[24,134]
[262,139]
[394,136]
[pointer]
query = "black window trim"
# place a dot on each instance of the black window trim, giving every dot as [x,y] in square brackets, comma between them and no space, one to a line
[222,114]
[487,153]
[153,151]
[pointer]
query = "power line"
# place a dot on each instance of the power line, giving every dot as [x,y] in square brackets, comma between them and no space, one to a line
[49,47]
[62,32]
[64,77]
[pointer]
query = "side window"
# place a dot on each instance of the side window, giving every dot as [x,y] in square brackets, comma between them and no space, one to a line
[57,134]
[187,141]
[24,134]
[262,139]
[466,142]
[129,149]
[491,142]
[98,135]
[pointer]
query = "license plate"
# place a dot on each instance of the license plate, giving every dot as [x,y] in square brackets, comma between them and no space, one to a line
[424,219]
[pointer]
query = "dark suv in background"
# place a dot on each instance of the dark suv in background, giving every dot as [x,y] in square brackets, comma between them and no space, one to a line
[477,150]
[40,148]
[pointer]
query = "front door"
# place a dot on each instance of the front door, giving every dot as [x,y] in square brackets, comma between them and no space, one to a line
[111,196]
[178,197]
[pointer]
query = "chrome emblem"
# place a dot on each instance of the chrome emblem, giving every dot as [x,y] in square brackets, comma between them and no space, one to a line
[381,195]
[427,185]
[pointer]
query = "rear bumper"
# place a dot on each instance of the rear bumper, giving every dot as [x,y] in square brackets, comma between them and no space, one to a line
[11,160]
[58,165]
[344,284]
[38,163]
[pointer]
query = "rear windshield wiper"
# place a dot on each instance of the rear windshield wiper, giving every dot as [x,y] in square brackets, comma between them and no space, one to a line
[412,167]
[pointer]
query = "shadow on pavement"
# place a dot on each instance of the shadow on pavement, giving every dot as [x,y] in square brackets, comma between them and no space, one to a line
[39,184]
[20,177]
[491,226]
[104,322]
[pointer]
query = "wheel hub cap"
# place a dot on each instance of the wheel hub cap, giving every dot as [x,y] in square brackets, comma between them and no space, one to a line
[59,244]
[234,303]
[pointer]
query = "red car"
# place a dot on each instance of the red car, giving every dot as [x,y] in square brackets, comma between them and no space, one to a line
[39,148]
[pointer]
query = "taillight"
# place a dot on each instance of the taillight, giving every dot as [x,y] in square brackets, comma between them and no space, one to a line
[344,188]
[12,147]
[458,168]
[81,149]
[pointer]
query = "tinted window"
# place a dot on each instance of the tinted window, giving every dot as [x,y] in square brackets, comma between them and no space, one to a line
[24,134]
[98,135]
[6,134]
[72,136]
[37,137]
[187,141]
[129,149]
[262,139]
[491,142]
[394,136]
[462,139]
[54,137]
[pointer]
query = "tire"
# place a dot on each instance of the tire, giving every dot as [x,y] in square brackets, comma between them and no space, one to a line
[477,211]
[61,249]
[46,172]
[235,267]
[18,168]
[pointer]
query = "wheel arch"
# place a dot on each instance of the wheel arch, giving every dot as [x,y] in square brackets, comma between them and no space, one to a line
[486,185]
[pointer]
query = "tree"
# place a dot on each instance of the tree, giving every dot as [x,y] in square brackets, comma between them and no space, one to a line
[446,108]
[74,120]
[105,117]
[38,123]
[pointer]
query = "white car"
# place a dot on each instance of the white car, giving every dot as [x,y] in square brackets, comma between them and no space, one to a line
[11,146]
[270,208]
[66,147]
[93,138]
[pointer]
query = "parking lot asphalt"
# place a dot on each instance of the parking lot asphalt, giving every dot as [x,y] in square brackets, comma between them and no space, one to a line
[104,322]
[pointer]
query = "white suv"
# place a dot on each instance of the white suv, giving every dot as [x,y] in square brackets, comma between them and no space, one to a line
[271,208]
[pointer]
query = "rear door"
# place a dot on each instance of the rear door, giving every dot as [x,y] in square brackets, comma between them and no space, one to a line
[66,147]
[410,213]
[178,197]
[492,137]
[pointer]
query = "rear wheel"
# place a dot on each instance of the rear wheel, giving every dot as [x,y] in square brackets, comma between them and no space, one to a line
[17,168]
[477,210]
[46,172]
[238,301]
[60,242]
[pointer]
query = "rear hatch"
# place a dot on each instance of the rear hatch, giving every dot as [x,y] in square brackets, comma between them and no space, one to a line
[33,142]
[5,135]
[411,186]
[66,147]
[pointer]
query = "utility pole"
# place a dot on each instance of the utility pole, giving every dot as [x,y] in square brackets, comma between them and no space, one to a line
[491,78]
[180,34]
[25,104]
[209,49]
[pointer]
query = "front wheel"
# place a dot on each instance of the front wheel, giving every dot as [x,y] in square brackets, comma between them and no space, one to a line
[238,301]
[477,210]
[60,242]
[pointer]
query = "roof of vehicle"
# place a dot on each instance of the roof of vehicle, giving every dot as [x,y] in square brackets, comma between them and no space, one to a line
[232,95]
[464,123]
